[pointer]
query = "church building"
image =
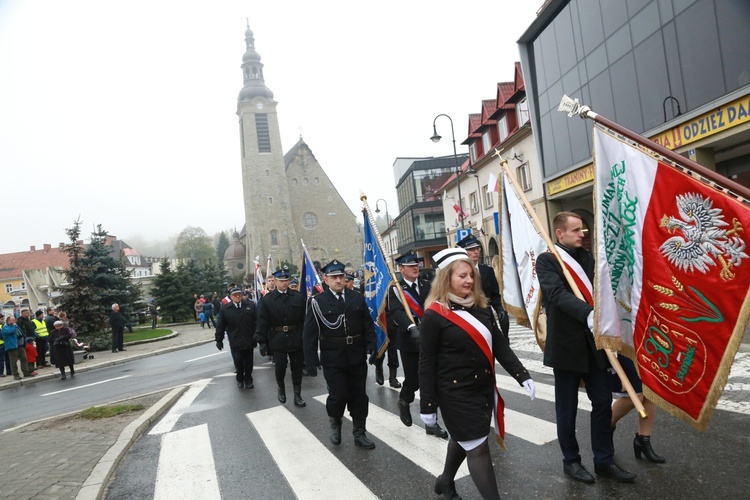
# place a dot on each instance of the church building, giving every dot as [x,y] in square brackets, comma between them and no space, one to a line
[288,197]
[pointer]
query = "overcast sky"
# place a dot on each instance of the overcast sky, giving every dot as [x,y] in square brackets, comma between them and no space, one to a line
[124,113]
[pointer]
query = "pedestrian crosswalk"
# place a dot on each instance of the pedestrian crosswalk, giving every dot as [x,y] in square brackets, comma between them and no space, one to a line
[291,451]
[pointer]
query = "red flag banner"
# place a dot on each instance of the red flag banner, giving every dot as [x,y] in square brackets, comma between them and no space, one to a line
[673,275]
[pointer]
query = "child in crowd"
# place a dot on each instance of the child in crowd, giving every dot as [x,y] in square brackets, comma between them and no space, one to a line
[31,353]
[203,320]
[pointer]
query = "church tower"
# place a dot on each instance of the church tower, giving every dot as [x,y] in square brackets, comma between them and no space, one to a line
[268,214]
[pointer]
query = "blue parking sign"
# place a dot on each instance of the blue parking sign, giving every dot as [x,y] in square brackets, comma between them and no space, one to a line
[462,233]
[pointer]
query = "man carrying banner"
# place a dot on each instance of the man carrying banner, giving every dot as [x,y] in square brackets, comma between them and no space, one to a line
[489,281]
[572,353]
[415,292]
[339,321]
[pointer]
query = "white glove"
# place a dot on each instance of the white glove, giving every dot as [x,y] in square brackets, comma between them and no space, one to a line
[530,388]
[428,418]
[590,321]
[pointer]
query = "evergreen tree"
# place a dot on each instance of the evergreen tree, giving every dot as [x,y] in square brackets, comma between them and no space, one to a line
[170,295]
[80,298]
[221,247]
[96,280]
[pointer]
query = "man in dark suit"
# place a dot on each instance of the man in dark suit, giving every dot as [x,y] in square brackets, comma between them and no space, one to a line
[572,354]
[281,314]
[339,321]
[237,319]
[490,287]
[415,292]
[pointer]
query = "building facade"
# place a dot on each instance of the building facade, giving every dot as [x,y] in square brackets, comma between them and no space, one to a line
[289,197]
[421,223]
[674,71]
[503,125]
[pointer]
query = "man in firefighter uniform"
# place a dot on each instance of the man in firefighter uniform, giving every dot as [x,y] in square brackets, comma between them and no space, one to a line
[415,292]
[237,319]
[281,315]
[339,321]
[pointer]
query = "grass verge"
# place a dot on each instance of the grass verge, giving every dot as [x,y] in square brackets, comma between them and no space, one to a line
[108,411]
[146,333]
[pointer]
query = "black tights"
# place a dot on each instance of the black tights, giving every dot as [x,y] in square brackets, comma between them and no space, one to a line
[480,467]
[72,371]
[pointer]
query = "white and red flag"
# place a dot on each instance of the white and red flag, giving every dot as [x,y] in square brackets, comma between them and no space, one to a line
[521,246]
[672,277]
[462,214]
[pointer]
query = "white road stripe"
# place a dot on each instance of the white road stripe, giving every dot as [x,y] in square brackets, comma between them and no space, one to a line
[186,466]
[311,470]
[428,452]
[207,356]
[173,415]
[531,429]
[85,386]
[545,392]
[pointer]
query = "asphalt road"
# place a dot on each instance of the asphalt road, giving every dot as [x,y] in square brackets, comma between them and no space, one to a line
[53,397]
[223,442]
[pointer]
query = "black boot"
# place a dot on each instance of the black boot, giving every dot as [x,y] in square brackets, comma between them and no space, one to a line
[298,401]
[62,374]
[379,377]
[392,379]
[642,444]
[448,490]
[404,412]
[360,438]
[282,394]
[335,430]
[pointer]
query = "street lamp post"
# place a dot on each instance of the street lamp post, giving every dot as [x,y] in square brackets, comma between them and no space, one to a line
[377,211]
[436,138]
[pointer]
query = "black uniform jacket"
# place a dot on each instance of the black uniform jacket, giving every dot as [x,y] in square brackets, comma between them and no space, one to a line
[280,320]
[348,343]
[490,287]
[399,316]
[239,323]
[455,375]
[570,344]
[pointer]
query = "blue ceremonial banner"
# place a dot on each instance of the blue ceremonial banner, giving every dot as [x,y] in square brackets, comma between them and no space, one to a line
[309,282]
[377,281]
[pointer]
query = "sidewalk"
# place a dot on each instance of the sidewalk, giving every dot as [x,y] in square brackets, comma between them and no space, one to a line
[183,336]
[66,458]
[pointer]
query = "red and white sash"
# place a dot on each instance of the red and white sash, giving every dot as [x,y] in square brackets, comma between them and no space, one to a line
[413,303]
[483,338]
[579,276]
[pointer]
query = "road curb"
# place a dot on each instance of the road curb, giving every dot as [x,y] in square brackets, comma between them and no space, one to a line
[94,486]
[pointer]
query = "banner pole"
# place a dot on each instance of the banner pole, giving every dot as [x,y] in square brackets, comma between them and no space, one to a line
[388,263]
[573,107]
[538,225]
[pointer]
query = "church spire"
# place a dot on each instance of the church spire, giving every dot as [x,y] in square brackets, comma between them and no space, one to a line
[252,71]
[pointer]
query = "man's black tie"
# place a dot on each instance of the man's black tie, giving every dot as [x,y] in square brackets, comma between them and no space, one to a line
[341,298]
[414,289]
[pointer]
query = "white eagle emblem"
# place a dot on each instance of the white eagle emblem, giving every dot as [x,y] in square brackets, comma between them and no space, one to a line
[703,242]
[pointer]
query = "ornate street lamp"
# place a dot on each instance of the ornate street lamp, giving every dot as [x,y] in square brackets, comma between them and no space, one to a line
[436,138]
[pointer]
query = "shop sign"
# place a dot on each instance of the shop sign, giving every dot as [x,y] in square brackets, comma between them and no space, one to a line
[572,179]
[710,123]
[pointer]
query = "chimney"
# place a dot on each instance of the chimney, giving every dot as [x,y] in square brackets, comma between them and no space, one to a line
[47,247]
[32,248]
